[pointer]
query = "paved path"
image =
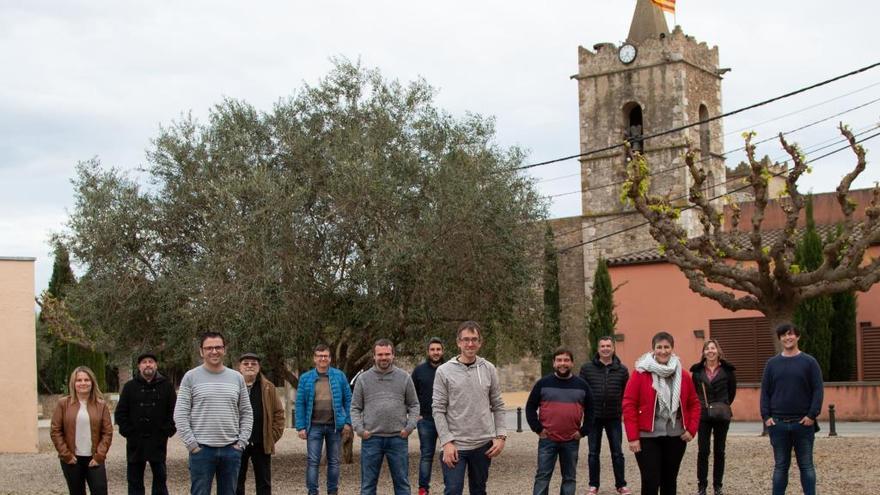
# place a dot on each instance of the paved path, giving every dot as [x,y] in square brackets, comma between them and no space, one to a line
[740,428]
[746,428]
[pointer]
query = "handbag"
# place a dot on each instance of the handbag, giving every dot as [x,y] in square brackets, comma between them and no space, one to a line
[719,411]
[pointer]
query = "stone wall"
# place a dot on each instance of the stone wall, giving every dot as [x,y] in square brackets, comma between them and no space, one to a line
[519,376]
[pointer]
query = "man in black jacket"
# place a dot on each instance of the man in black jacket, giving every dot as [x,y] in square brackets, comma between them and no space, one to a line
[145,415]
[423,379]
[607,378]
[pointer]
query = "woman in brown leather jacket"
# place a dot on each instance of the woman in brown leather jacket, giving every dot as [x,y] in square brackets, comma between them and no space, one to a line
[81,431]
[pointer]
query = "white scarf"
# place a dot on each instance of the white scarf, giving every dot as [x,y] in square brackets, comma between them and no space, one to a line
[667,399]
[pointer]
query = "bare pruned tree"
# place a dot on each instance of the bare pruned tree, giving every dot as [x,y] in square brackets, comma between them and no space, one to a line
[747,269]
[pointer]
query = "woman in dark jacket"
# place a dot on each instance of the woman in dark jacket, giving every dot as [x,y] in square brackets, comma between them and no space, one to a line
[715,381]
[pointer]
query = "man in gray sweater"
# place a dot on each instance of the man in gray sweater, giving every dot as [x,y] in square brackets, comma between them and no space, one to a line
[214,419]
[384,411]
[469,414]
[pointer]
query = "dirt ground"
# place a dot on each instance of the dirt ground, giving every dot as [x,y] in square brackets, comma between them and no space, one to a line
[845,465]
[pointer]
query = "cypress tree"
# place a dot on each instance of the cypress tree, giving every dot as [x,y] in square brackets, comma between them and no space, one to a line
[62,274]
[552,336]
[602,320]
[843,333]
[813,316]
[62,357]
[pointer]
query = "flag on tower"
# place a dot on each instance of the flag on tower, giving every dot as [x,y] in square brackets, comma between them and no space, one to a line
[665,5]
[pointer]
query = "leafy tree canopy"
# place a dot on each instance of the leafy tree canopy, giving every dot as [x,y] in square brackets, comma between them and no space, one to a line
[354,209]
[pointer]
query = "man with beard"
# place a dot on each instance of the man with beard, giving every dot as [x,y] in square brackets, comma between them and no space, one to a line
[384,410]
[607,378]
[423,380]
[560,410]
[145,416]
[268,425]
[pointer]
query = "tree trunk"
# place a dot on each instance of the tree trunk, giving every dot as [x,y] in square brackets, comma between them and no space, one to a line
[123,372]
[773,321]
[348,449]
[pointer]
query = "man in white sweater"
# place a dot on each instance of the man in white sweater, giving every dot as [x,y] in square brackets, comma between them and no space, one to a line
[214,419]
[469,414]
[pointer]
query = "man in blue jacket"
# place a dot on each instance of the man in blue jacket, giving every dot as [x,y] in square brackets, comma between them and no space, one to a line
[323,401]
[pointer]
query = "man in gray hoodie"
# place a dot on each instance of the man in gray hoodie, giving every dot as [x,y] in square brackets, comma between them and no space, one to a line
[469,414]
[384,411]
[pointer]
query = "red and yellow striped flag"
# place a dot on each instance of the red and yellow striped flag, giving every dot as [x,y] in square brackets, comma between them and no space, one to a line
[665,5]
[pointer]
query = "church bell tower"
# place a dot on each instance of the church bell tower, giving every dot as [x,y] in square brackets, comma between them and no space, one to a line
[654,81]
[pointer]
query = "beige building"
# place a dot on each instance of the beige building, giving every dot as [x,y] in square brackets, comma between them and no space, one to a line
[18,356]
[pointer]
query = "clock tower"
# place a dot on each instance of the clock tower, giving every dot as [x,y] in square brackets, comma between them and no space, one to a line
[654,81]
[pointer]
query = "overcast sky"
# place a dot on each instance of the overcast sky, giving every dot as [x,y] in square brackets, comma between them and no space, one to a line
[90,78]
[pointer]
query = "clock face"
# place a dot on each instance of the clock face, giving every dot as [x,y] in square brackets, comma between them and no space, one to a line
[627,53]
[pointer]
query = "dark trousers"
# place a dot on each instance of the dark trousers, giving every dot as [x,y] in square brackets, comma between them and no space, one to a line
[716,431]
[79,474]
[262,470]
[659,461]
[614,432]
[475,464]
[135,475]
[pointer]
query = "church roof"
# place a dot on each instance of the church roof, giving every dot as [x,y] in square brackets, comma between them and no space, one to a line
[648,22]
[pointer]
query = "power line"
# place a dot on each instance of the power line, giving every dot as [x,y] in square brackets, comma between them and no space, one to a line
[633,227]
[710,119]
[809,149]
[804,109]
[725,154]
[771,138]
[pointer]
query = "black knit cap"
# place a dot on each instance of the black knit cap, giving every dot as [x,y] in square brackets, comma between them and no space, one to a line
[146,354]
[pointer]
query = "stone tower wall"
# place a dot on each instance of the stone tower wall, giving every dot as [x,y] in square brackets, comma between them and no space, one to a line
[672,76]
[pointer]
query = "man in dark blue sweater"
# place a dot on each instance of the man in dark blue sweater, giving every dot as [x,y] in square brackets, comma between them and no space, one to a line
[560,410]
[791,399]
[423,379]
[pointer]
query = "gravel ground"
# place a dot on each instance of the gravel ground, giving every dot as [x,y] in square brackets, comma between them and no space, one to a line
[842,464]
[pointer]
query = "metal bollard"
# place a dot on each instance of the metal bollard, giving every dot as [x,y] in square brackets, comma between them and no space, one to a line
[519,420]
[832,427]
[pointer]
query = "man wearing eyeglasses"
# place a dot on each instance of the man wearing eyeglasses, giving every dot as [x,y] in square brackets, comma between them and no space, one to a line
[469,414]
[268,425]
[214,419]
[323,401]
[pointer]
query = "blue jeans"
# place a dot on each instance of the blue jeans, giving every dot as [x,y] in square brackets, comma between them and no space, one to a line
[783,437]
[476,464]
[427,447]
[210,462]
[548,451]
[318,434]
[373,450]
[614,433]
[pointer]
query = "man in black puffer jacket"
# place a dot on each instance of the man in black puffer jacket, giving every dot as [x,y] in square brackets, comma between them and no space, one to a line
[607,378]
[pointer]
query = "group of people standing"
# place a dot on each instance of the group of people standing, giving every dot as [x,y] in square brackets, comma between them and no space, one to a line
[228,418]
[657,406]
[662,407]
[456,404]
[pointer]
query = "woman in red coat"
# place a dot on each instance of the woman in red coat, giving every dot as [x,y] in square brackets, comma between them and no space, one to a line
[661,413]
